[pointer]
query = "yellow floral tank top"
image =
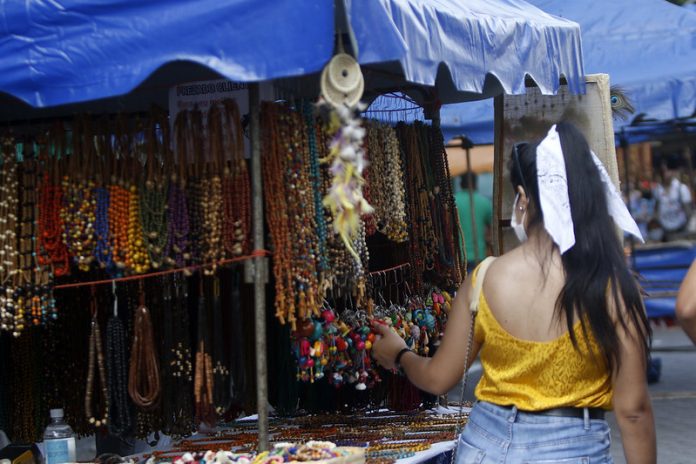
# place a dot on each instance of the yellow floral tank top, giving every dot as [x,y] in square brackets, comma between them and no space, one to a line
[538,375]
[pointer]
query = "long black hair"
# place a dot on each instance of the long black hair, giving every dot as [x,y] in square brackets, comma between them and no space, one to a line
[597,276]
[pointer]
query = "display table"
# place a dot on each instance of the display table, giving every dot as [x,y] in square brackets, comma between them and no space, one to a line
[406,438]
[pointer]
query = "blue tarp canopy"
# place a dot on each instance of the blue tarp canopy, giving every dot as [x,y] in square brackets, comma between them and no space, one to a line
[661,271]
[57,52]
[648,47]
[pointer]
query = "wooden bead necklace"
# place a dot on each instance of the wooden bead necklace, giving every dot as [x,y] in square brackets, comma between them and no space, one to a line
[96,363]
[276,215]
[203,381]
[177,366]
[9,202]
[143,375]
[137,258]
[235,184]
[79,205]
[53,250]
[208,199]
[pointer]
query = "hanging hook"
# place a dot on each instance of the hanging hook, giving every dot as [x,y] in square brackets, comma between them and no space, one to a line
[113,290]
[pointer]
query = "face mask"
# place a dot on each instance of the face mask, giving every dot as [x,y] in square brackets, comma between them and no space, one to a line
[518,227]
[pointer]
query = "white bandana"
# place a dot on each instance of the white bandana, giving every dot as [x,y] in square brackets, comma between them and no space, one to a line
[553,194]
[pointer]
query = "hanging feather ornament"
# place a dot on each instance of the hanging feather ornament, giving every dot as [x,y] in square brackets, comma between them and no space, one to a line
[345,198]
[621,105]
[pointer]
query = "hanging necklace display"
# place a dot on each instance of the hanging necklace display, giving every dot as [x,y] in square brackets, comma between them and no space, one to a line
[211,200]
[203,381]
[290,214]
[53,251]
[219,354]
[137,257]
[177,366]
[235,183]
[276,210]
[96,367]
[154,216]
[119,198]
[103,252]
[32,278]
[387,189]
[79,205]
[194,188]
[117,371]
[451,257]
[177,250]
[143,374]
[346,275]
[9,202]
[312,128]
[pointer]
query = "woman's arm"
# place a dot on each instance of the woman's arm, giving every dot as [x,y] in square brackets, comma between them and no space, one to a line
[686,303]
[632,404]
[440,373]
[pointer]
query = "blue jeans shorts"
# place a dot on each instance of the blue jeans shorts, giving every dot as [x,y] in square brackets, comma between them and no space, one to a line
[504,435]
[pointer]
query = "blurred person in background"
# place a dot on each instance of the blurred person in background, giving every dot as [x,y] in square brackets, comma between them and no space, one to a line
[673,202]
[476,227]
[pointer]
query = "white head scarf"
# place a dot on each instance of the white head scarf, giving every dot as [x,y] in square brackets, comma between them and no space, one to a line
[553,194]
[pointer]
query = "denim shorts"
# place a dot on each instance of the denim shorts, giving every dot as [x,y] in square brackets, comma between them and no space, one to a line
[504,435]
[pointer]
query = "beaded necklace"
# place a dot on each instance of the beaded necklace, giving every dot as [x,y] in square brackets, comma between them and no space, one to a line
[154,200]
[177,366]
[211,200]
[194,190]
[53,250]
[220,358]
[290,214]
[177,248]
[9,201]
[34,278]
[235,184]
[96,363]
[137,258]
[388,184]
[79,205]
[117,370]
[25,387]
[451,265]
[103,251]
[277,216]
[203,381]
[316,179]
[143,375]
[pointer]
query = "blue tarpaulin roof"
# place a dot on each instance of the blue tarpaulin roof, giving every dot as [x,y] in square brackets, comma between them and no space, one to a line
[646,46]
[56,52]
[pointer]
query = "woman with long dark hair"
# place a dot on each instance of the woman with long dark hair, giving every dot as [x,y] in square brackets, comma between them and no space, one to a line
[561,328]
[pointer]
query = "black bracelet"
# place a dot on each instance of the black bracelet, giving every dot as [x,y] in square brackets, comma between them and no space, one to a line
[397,360]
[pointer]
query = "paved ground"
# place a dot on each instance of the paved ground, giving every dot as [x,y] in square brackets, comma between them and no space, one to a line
[674,399]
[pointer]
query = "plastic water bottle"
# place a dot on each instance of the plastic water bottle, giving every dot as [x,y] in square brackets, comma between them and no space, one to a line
[59,440]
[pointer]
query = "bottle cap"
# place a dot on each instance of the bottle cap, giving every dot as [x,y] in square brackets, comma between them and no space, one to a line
[57,413]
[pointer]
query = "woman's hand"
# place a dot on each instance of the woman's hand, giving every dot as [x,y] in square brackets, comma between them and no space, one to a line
[387,345]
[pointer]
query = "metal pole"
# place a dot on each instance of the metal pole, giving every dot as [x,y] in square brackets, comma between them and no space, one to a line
[469,177]
[259,268]
[623,140]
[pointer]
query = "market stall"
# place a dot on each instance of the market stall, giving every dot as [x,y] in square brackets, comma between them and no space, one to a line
[126,225]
